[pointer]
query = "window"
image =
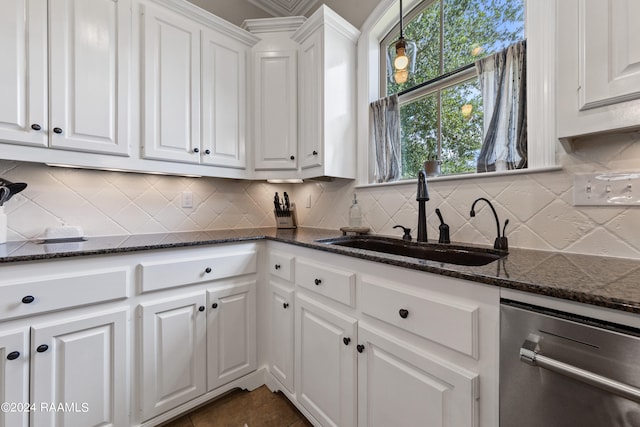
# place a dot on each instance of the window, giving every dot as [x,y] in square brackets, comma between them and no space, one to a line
[441,107]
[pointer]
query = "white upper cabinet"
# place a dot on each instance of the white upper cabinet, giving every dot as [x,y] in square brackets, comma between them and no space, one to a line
[171,97]
[23,75]
[88,95]
[327,91]
[598,67]
[275,94]
[194,100]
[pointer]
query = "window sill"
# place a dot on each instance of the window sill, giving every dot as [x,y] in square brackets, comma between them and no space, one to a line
[474,176]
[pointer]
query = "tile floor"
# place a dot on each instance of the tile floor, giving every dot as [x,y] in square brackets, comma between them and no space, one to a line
[258,408]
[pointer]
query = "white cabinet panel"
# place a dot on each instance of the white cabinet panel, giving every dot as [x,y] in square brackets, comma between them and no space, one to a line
[325,369]
[401,387]
[276,104]
[83,365]
[231,333]
[223,101]
[23,74]
[89,51]
[14,376]
[171,86]
[282,337]
[173,352]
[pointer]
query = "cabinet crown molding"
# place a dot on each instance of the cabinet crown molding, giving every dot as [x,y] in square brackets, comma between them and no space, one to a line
[326,16]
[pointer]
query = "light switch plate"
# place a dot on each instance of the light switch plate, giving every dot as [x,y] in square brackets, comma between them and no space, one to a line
[606,189]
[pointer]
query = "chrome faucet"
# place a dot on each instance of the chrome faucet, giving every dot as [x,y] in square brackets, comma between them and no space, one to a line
[501,241]
[422,196]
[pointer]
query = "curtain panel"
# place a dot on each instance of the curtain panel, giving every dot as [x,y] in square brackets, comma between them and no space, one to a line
[385,121]
[503,80]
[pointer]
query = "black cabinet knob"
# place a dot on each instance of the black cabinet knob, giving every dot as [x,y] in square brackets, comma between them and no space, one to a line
[277,266]
[13,355]
[285,305]
[207,152]
[315,153]
[346,340]
[196,150]
[214,305]
[292,157]
[36,126]
[360,348]
[28,299]
[57,130]
[42,348]
[317,281]
[403,313]
[207,270]
[201,308]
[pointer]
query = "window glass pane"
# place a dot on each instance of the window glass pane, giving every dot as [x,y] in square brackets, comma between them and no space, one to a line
[419,124]
[462,127]
[476,28]
[424,30]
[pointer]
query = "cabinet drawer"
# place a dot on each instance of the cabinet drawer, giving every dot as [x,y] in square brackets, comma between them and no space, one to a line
[281,265]
[448,322]
[163,274]
[61,292]
[336,284]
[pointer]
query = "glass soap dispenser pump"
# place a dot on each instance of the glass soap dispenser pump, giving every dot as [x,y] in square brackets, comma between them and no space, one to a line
[355,214]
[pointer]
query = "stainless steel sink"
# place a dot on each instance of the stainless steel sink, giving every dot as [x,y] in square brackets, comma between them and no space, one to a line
[451,254]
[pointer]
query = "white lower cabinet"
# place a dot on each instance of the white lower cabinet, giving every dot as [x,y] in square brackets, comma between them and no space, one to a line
[281,299]
[14,376]
[399,385]
[194,343]
[231,333]
[173,358]
[326,362]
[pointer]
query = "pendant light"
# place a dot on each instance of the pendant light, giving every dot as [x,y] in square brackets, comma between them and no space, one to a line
[404,57]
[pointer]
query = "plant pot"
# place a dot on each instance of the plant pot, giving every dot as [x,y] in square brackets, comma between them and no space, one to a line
[432,167]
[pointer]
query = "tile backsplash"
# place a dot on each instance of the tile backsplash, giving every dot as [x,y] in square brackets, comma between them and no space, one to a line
[538,205]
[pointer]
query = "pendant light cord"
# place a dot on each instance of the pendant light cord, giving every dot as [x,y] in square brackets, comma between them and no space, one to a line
[400,18]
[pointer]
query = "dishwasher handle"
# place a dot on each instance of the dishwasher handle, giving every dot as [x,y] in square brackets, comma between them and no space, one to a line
[530,354]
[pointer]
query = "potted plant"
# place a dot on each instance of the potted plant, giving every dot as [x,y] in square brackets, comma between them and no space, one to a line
[432,165]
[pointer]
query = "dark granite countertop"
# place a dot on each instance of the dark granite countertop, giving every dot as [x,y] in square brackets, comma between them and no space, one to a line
[601,281]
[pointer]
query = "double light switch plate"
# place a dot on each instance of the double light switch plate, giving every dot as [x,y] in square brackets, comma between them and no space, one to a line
[606,189]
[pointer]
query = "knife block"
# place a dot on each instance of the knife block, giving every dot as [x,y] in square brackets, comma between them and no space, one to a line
[286,219]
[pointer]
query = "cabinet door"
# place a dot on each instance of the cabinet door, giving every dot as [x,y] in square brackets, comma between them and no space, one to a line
[14,376]
[276,110]
[171,74]
[173,357]
[400,386]
[312,100]
[231,333]
[281,338]
[325,361]
[80,363]
[89,51]
[223,100]
[23,74]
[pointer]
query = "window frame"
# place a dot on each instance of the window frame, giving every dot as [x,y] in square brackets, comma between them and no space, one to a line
[540,31]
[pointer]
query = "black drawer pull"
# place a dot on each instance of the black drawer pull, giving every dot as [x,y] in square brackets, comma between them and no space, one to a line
[28,299]
[207,270]
[285,305]
[42,348]
[317,281]
[201,308]
[360,348]
[277,266]
[214,305]
[346,340]
[13,355]
[403,313]
[57,130]
[292,157]
[36,126]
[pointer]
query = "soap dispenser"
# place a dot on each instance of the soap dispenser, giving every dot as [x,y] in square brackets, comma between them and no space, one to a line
[355,214]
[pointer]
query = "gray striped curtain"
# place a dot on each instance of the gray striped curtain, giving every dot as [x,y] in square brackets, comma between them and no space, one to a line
[385,120]
[503,82]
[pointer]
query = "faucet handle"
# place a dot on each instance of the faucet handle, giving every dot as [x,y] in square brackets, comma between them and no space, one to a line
[501,242]
[407,232]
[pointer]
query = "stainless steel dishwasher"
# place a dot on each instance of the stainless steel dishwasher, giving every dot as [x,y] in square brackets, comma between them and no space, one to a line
[562,370]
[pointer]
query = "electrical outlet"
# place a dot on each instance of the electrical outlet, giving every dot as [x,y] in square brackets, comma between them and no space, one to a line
[606,189]
[187,199]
